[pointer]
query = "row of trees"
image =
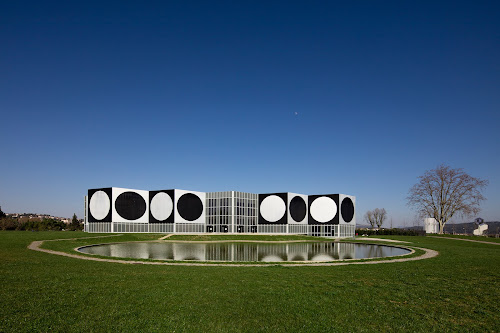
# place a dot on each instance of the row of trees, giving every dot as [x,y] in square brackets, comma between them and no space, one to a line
[31,224]
[376,217]
[7,223]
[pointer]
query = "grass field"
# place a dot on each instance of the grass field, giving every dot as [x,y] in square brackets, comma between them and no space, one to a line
[478,238]
[456,291]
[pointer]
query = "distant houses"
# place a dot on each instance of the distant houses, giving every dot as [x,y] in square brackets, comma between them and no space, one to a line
[30,216]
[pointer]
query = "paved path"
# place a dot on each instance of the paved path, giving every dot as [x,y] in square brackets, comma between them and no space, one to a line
[468,240]
[165,237]
[379,239]
[36,247]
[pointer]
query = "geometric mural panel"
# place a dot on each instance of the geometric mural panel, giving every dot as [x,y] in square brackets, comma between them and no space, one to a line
[324,209]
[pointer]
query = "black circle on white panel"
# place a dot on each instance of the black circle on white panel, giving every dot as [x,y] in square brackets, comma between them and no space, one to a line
[297,209]
[347,209]
[190,206]
[130,205]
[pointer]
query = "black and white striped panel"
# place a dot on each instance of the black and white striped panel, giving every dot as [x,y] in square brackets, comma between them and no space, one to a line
[99,208]
[273,208]
[324,209]
[161,206]
[130,205]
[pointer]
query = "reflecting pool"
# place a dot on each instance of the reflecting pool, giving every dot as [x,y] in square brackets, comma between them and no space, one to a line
[265,252]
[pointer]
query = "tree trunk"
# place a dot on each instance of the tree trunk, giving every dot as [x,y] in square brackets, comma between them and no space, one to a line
[441,228]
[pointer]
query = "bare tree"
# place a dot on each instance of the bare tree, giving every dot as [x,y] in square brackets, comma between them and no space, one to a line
[376,217]
[380,216]
[443,192]
[369,218]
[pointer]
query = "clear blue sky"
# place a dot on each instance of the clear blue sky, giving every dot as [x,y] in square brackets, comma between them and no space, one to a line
[356,97]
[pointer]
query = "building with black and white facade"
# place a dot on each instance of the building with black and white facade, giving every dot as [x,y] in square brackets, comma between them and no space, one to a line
[114,209]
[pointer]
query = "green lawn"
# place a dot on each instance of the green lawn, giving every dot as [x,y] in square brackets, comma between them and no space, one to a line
[479,238]
[456,291]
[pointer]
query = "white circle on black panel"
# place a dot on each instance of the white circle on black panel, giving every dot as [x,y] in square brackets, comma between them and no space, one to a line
[323,209]
[297,209]
[190,207]
[130,205]
[99,205]
[347,210]
[161,206]
[272,208]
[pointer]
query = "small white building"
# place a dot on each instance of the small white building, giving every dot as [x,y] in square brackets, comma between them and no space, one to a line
[431,225]
[481,229]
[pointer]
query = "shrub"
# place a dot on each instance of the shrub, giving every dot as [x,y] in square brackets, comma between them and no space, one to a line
[393,231]
[8,224]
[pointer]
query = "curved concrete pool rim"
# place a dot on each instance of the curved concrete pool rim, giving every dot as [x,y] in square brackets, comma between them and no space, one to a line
[428,254]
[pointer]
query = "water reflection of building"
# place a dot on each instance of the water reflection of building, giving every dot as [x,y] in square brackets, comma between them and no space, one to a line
[272,252]
[244,252]
[160,251]
[218,251]
[298,251]
[346,250]
[178,211]
[130,250]
[240,251]
[323,252]
[189,251]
